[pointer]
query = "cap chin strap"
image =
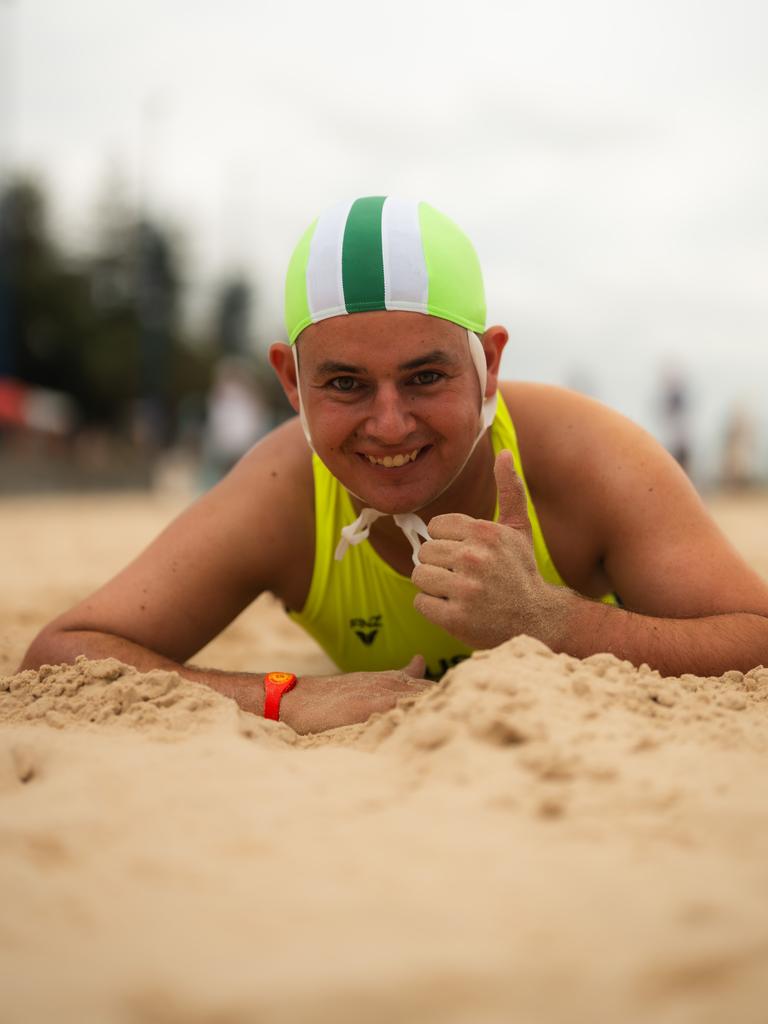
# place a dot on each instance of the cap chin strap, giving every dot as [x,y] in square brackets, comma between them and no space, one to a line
[413,526]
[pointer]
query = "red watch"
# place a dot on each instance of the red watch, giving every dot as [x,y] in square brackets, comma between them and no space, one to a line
[275,685]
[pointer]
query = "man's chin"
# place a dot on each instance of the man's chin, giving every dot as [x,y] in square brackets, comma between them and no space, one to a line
[390,504]
[399,509]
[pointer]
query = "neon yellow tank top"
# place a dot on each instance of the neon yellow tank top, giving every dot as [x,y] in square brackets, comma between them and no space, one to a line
[360,610]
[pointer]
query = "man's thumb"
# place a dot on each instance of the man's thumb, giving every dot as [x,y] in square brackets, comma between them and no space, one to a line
[513,507]
[416,667]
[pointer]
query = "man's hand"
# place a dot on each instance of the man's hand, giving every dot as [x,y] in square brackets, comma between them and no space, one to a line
[325,702]
[479,580]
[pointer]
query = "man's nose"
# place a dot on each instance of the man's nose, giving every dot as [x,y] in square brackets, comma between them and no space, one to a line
[390,419]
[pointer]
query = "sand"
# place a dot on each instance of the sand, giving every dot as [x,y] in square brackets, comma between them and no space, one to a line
[537,839]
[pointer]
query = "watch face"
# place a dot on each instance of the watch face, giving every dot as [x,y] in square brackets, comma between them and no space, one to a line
[280,677]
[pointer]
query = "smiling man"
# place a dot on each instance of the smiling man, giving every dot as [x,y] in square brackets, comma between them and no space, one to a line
[417,509]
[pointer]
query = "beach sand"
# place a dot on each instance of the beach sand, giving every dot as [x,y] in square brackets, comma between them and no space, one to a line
[537,839]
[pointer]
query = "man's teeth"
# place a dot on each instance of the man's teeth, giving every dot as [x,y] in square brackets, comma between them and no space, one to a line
[394,460]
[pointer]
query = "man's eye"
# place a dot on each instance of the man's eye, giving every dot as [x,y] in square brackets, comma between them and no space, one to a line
[345,384]
[427,377]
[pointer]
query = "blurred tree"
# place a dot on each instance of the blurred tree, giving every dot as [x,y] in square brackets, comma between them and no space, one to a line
[103,328]
[45,301]
[110,349]
[157,309]
[7,341]
[232,319]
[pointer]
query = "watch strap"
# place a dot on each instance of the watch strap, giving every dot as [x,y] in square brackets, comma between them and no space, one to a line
[275,685]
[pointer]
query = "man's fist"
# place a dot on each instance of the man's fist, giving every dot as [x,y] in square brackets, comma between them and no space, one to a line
[318,703]
[479,580]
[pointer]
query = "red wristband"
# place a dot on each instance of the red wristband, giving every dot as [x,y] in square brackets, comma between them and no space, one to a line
[275,685]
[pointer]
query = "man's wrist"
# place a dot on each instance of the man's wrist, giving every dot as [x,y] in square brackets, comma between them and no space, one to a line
[574,625]
[246,689]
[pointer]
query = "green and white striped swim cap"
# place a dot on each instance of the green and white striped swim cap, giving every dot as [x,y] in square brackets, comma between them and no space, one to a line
[380,252]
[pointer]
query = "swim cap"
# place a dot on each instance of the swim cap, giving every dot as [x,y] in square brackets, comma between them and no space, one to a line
[380,252]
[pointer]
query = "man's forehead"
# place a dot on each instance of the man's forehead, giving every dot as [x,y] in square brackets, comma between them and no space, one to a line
[359,341]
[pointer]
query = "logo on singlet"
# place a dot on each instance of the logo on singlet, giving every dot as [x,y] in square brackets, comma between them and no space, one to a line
[366,629]
[435,674]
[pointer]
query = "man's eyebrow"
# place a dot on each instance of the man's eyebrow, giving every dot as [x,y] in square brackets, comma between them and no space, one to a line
[436,356]
[329,366]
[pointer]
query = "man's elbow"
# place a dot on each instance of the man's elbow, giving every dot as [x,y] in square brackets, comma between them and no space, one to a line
[53,645]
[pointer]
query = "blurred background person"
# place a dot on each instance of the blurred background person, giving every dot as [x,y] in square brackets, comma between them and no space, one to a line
[740,437]
[675,413]
[237,416]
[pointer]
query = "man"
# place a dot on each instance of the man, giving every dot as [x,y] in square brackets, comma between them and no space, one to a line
[441,511]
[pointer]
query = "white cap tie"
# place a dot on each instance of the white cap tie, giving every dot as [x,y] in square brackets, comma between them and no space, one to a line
[413,526]
[355,533]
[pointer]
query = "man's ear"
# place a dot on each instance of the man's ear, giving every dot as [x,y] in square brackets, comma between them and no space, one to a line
[282,362]
[494,340]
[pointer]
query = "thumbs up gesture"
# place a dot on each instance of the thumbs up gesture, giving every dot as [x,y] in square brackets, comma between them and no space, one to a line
[513,505]
[479,580]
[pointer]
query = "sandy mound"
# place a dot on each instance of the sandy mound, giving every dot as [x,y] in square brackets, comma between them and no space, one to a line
[537,838]
[109,693]
[105,692]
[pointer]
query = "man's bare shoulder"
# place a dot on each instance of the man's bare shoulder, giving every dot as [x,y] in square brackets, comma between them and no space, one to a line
[590,462]
[272,490]
[614,495]
[570,446]
[568,439]
[281,459]
[532,403]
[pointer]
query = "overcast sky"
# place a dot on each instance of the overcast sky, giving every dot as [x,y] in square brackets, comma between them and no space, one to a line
[609,158]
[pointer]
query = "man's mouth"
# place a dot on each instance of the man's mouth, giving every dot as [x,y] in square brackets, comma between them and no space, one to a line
[393,461]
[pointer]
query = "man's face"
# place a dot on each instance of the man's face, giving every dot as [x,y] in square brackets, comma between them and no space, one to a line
[393,404]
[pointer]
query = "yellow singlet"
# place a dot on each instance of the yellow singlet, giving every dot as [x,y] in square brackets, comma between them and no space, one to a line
[360,610]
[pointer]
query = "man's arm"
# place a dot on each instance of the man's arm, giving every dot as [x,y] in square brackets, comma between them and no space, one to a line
[704,646]
[252,532]
[691,604]
[316,703]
